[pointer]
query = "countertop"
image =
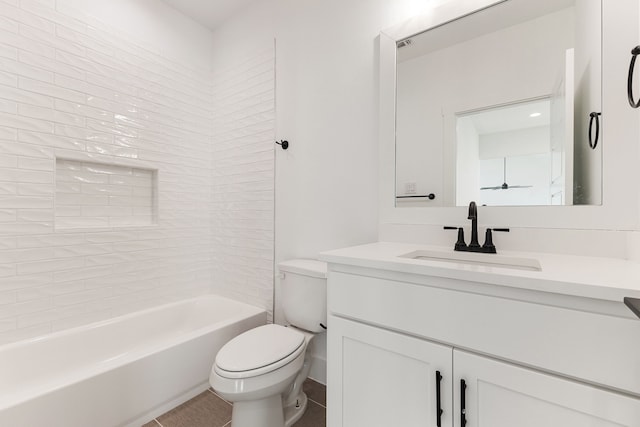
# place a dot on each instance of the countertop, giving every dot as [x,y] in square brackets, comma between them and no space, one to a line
[587,277]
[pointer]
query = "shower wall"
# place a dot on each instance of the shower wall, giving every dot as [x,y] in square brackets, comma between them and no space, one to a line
[243,170]
[105,166]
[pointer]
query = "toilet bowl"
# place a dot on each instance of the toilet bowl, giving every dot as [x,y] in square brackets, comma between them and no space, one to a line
[258,383]
[262,370]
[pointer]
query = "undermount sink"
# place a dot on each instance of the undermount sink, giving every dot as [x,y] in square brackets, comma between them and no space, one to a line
[474,258]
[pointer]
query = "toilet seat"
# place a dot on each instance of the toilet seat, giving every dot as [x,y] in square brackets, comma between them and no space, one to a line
[259,351]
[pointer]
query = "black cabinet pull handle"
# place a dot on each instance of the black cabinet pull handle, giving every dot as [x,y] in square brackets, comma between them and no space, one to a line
[593,143]
[439,410]
[634,52]
[463,403]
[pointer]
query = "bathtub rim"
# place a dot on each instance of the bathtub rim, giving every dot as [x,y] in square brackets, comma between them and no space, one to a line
[104,322]
[101,367]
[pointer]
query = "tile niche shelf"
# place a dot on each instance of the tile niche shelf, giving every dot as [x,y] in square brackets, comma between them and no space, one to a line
[101,195]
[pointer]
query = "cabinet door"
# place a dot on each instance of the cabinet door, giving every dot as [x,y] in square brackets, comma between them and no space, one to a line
[499,394]
[378,378]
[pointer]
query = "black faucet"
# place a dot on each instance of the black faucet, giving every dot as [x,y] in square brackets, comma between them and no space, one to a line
[473,216]
[474,246]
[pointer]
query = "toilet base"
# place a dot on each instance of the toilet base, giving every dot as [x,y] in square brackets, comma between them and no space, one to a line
[267,412]
[258,413]
[294,412]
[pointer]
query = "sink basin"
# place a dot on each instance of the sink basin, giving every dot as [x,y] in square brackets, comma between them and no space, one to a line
[473,258]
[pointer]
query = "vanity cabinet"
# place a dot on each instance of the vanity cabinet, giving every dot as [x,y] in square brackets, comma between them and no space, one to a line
[387,378]
[526,358]
[501,394]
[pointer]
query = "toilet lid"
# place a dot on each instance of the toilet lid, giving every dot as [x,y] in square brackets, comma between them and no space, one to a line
[305,267]
[259,347]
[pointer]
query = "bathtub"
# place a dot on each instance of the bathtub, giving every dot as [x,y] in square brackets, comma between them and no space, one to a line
[120,372]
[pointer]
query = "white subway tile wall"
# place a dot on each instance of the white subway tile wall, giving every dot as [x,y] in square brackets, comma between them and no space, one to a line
[242,211]
[73,89]
[103,195]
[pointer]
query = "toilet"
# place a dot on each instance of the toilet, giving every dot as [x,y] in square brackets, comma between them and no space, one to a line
[261,371]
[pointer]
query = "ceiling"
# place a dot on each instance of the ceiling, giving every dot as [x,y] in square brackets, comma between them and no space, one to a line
[210,13]
[483,22]
[512,117]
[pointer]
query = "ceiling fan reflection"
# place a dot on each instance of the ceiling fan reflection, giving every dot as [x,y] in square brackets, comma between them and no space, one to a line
[504,185]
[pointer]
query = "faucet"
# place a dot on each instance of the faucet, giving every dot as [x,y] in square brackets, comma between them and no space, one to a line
[473,216]
[474,245]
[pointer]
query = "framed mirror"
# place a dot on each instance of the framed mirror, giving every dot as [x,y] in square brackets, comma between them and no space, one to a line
[614,205]
[496,107]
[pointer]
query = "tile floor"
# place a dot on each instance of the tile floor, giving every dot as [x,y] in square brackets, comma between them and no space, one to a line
[209,410]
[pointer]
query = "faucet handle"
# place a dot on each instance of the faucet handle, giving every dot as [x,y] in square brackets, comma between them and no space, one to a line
[488,246]
[460,244]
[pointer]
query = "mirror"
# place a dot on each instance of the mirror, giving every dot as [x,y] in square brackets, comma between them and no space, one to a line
[497,107]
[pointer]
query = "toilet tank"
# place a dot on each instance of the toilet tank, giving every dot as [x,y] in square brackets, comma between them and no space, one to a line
[303,290]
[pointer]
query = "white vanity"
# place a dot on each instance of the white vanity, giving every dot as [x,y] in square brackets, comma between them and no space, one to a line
[418,341]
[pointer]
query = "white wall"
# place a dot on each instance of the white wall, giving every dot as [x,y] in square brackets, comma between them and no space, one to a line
[327,109]
[326,103]
[327,80]
[150,23]
[93,93]
[520,142]
[251,30]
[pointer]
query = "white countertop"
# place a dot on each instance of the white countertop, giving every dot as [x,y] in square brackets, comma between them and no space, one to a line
[587,277]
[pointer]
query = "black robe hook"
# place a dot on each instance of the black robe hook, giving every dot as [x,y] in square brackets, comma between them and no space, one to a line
[283,144]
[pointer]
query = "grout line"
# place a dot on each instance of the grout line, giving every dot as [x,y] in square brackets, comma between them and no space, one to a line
[219,397]
[227,424]
[158,422]
[317,403]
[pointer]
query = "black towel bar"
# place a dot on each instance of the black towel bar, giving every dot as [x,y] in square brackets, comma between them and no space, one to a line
[430,196]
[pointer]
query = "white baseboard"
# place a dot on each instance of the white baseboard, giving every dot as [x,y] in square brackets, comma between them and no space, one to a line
[318,370]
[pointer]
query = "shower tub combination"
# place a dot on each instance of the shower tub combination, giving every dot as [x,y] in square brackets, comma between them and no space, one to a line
[120,372]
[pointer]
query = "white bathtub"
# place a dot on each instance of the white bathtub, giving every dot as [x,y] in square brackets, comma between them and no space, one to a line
[120,372]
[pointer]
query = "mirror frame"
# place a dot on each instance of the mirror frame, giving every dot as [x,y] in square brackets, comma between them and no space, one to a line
[620,132]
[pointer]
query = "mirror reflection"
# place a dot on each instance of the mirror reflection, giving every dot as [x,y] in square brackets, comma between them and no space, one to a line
[496,107]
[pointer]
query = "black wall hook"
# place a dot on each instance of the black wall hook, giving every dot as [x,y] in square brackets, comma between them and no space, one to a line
[284,144]
[634,53]
[593,143]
